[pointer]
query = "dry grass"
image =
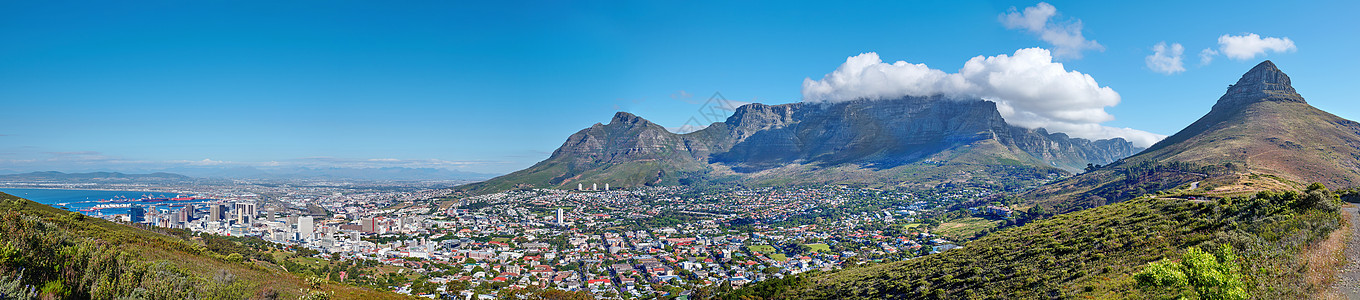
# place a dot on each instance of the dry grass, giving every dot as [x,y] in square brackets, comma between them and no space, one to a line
[1326,259]
[1246,184]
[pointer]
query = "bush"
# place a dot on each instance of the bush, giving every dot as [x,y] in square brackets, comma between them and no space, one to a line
[1199,275]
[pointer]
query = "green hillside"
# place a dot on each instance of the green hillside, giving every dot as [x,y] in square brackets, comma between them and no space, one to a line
[49,253]
[1096,253]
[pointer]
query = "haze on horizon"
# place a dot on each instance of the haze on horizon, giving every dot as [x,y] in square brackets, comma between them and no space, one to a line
[493,88]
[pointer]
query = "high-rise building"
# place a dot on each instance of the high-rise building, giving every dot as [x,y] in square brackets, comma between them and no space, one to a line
[245,213]
[136,214]
[559,216]
[183,214]
[217,212]
[369,225]
[305,228]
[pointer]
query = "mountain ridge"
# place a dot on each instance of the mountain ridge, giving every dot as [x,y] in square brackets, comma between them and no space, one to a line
[863,141]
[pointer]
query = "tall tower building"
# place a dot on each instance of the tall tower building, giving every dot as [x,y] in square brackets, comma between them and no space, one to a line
[559,216]
[136,214]
[182,215]
[245,213]
[369,225]
[217,212]
[305,228]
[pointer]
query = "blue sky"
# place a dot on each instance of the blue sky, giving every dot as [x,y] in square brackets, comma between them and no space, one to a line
[139,85]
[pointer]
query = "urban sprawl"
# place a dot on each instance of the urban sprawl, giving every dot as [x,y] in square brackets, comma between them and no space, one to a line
[614,243]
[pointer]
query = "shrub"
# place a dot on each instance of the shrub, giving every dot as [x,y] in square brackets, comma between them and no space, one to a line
[1198,275]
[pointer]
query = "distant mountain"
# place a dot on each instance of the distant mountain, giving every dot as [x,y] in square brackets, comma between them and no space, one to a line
[93,176]
[897,142]
[371,174]
[1260,135]
[199,173]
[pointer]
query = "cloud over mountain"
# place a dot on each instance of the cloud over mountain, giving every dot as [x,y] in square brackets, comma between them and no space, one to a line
[1030,90]
[1244,47]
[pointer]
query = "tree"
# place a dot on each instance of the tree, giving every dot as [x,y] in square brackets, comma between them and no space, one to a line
[455,286]
[770,270]
[1092,167]
[1317,197]
[1199,275]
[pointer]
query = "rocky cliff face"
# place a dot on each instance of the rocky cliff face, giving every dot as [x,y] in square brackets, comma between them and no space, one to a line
[887,133]
[877,135]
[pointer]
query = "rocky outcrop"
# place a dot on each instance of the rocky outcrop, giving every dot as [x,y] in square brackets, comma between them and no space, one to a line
[1265,82]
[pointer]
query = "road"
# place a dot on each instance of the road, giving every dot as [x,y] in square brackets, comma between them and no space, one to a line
[1348,278]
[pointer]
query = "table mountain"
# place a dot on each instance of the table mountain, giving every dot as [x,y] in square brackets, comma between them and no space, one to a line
[897,142]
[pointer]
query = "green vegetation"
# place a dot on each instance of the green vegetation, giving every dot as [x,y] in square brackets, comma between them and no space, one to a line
[475,205]
[663,219]
[1095,253]
[761,248]
[964,228]
[1199,275]
[822,248]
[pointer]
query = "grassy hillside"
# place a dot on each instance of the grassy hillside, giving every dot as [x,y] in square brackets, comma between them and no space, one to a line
[1095,253]
[1261,135]
[54,254]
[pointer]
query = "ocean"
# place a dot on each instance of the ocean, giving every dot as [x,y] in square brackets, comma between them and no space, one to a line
[75,200]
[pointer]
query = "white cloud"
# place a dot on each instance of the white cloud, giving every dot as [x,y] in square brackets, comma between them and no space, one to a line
[1206,56]
[1166,59]
[1066,38]
[1243,47]
[1030,90]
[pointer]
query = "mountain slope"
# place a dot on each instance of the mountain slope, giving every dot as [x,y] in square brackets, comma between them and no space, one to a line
[913,140]
[1261,134]
[1094,254]
[65,255]
[629,151]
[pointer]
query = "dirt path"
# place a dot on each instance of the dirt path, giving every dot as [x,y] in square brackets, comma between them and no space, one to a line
[1348,278]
